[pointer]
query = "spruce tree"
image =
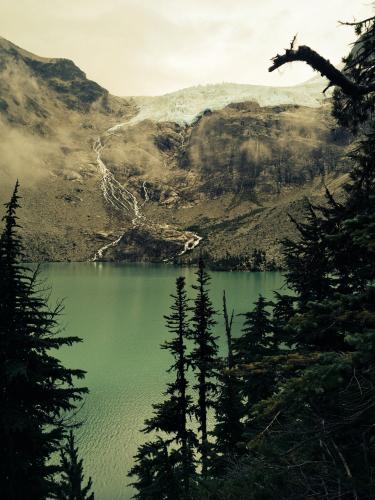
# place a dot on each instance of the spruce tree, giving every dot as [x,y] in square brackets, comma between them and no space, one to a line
[228,406]
[171,416]
[255,342]
[282,312]
[36,390]
[71,486]
[354,109]
[350,224]
[203,357]
[157,469]
[306,259]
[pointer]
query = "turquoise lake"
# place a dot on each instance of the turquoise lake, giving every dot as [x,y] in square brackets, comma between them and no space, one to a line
[117,309]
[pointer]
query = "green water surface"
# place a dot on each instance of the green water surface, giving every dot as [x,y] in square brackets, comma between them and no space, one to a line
[117,309]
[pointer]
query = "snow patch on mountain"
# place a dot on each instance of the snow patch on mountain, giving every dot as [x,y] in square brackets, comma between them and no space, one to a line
[185,105]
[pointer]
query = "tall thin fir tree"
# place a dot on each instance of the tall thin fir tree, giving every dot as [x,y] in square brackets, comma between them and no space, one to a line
[204,358]
[71,486]
[256,339]
[255,342]
[36,390]
[228,407]
[171,416]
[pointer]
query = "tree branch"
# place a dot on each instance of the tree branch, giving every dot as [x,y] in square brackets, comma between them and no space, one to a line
[356,23]
[325,68]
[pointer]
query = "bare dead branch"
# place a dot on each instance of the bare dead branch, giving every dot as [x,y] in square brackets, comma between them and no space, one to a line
[324,67]
[356,23]
[346,467]
[293,42]
[270,424]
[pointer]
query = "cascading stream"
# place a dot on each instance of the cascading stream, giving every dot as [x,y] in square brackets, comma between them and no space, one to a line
[124,201]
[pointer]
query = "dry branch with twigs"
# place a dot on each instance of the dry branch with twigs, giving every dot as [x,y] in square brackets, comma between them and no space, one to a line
[325,68]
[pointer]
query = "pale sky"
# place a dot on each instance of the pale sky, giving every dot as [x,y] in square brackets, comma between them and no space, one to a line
[150,47]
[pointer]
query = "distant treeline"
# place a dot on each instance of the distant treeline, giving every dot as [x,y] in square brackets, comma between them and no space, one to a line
[257,260]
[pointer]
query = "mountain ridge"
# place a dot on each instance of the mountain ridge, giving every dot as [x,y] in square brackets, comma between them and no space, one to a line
[195,160]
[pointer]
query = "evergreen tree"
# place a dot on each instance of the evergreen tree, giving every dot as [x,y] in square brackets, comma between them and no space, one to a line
[282,312]
[315,428]
[228,323]
[256,339]
[255,342]
[228,407]
[175,453]
[71,486]
[204,357]
[157,470]
[36,390]
[307,263]
[350,225]
[353,109]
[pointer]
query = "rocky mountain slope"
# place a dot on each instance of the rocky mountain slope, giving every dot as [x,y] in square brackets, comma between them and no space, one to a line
[109,178]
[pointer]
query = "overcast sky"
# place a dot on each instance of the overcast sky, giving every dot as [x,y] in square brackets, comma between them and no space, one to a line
[150,47]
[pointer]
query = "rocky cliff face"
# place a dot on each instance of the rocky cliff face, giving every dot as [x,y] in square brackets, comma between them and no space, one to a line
[156,178]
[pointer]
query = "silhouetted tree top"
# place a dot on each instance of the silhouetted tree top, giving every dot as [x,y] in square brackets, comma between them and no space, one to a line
[72,485]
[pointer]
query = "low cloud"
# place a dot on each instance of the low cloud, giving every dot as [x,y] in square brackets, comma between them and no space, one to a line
[137,47]
[23,156]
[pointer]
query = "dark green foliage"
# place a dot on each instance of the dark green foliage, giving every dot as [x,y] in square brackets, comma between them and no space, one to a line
[359,67]
[255,261]
[203,357]
[306,372]
[282,311]
[256,339]
[172,456]
[312,430]
[71,486]
[158,472]
[351,225]
[228,408]
[308,269]
[255,342]
[36,390]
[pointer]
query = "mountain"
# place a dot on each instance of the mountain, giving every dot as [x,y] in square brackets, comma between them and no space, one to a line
[214,167]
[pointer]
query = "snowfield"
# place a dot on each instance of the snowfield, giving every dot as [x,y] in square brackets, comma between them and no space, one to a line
[185,105]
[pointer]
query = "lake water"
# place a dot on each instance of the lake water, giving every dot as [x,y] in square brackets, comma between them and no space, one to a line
[117,309]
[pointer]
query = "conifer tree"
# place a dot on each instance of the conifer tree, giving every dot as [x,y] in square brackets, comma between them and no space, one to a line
[228,406]
[353,109]
[171,416]
[71,486]
[203,357]
[255,342]
[282,312]
[350,224]
[316,428]
[307,263]
[158,472]
[228,324]
[36,390]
